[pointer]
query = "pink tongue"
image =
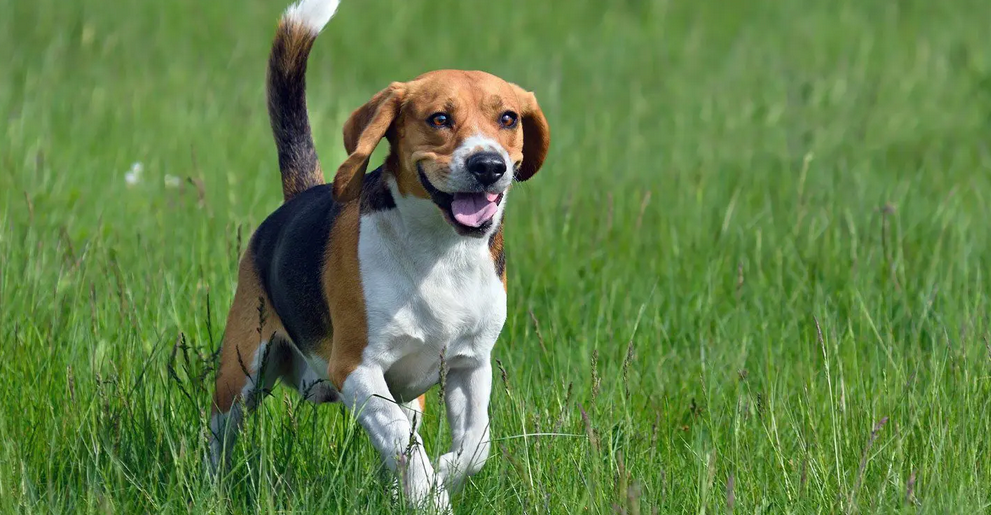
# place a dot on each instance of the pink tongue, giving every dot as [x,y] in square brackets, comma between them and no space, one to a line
[474,209]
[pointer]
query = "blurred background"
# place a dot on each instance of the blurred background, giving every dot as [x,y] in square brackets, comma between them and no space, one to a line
[724,177]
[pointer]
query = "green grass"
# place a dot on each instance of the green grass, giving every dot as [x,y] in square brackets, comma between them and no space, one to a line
[725,179]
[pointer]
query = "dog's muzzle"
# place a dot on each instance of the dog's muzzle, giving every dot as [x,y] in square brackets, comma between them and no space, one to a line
[486,167]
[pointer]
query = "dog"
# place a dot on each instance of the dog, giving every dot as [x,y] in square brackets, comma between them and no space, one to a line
[361,290]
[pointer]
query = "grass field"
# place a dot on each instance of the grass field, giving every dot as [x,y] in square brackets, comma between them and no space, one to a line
[754,275]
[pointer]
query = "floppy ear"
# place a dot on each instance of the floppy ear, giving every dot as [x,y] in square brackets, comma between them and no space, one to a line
[362,132]
[536,135]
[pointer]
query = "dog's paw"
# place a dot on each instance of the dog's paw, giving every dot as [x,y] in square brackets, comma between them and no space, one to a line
[453,471]
[419,489]
[437,502]
[447,475]
[433,501]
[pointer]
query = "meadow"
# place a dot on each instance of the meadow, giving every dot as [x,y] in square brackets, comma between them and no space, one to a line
[752,277]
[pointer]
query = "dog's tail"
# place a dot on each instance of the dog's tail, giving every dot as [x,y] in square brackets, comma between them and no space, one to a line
[297,31]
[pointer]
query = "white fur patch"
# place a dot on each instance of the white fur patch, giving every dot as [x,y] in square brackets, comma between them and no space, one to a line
[427,291]
[480,142]
[223,432]
[432,299]
[312,14]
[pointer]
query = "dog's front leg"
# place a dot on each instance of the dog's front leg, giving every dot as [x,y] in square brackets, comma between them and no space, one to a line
[467,394]
[365,392]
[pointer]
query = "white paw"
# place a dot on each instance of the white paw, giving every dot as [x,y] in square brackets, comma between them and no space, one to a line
[421,489]
[448,473]
[434,501]
[453,469]
[438,502]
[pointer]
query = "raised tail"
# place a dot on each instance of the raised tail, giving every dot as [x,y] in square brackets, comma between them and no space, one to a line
[297,31]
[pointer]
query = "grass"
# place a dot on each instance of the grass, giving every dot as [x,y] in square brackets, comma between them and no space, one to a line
[753,275]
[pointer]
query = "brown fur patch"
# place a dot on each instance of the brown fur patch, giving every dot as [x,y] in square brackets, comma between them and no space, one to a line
[423,403]
[250,321]
[498,254]
[408,184]
[475,101]
[345,297]
[536,134]
[363,130]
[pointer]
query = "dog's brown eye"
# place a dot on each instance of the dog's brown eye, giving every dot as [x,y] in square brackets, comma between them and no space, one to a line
[439,120]
[508,119]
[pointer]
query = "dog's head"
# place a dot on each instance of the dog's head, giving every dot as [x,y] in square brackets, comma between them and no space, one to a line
[458,138]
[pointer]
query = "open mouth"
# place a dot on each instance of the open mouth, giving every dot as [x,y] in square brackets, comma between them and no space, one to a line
[470,213]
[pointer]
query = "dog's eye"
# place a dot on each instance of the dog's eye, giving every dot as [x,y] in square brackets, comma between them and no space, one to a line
[508,119]
[439,120]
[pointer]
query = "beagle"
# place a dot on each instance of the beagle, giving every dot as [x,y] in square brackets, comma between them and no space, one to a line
[359,291]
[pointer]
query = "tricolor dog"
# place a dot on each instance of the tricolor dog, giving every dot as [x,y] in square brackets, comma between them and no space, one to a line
[360,290]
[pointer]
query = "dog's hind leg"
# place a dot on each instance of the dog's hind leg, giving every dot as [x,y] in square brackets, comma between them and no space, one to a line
[307,381]
[255,354]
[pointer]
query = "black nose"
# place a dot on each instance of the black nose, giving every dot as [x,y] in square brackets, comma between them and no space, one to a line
[487,167]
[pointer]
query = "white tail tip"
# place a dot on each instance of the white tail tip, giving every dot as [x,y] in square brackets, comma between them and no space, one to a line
[312,14]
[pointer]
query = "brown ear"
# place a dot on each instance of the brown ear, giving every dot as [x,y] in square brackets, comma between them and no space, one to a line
[362,132]
[536,135]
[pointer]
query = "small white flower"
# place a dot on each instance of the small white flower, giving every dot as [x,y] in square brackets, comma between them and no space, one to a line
[133,176]
[171,181]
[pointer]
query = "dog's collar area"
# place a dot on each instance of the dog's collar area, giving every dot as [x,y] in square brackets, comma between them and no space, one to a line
[444,201]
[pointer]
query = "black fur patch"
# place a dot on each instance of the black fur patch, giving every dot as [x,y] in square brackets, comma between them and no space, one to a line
[288,252]
[287,109]
[375,194]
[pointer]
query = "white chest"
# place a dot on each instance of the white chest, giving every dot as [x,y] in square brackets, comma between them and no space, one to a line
[426,299]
